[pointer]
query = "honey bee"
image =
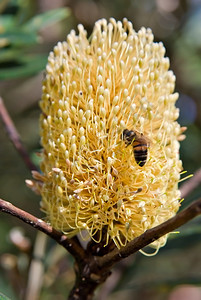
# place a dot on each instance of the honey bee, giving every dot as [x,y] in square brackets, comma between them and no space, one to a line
[140,145]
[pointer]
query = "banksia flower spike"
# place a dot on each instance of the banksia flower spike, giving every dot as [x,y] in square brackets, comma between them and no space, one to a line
[94,90]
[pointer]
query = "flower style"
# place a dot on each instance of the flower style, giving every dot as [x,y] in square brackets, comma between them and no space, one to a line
[93,90]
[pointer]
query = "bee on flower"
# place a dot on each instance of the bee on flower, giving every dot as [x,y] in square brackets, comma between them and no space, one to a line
[94,90]
[140,145]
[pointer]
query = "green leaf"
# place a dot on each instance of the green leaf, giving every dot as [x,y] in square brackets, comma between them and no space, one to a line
[20,38]
[45,19]
[10,54]
[3,297]
[29,65]
[7,22]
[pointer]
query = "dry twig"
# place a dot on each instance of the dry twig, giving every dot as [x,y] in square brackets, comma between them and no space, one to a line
[14,136]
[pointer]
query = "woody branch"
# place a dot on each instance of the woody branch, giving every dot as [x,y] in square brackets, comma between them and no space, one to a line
[109,259]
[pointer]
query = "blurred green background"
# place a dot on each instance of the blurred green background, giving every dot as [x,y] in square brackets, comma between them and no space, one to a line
[28,31]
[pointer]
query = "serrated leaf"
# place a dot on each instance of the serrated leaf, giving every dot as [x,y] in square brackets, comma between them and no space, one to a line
[45,19]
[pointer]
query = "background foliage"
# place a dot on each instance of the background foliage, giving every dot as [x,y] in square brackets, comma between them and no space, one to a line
[28,31]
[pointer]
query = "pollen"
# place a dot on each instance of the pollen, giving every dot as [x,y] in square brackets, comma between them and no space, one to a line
[93,90]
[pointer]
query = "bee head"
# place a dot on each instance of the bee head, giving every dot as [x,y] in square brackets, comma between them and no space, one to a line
[128,136]
[125,134]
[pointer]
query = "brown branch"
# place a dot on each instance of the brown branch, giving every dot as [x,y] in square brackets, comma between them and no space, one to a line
[91,270]
[14,136]
[97,269]
[72,245]
[192,183]
[149,236]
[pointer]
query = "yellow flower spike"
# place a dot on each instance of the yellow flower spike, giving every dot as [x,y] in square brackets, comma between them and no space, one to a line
[93,90]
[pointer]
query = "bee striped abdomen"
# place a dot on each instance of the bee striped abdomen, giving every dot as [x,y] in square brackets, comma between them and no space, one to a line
[140,154]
